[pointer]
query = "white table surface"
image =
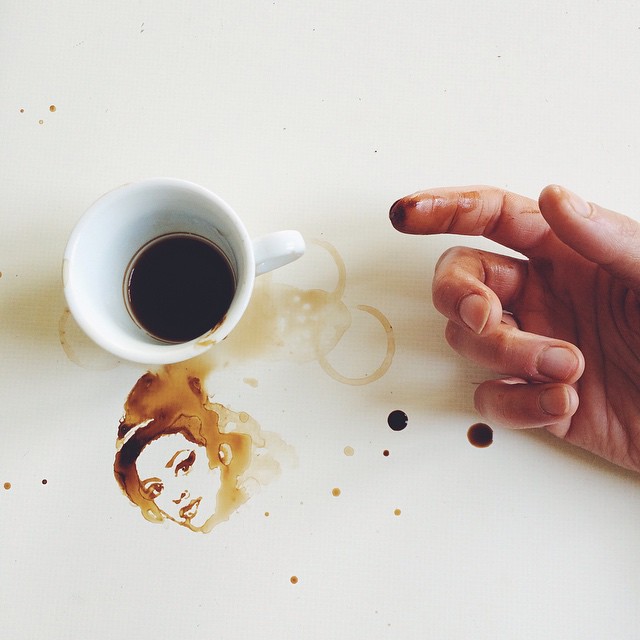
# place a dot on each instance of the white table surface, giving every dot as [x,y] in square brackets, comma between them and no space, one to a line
[317,116]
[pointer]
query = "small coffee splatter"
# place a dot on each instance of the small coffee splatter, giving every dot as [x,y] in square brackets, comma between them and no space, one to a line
[52,108]
[44,481]
[348,451]
[336,492]
[7,486]
[397,420]
[40,121]
[21,110]
[252,382]
[396,512]
[480,435]
[266,514]
[385,453]
[294,579]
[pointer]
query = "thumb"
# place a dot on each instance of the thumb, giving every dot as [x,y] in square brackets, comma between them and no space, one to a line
[605,237]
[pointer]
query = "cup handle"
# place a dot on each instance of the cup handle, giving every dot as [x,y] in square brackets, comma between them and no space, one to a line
[277,249]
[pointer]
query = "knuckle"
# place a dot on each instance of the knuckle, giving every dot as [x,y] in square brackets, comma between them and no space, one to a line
[451,255]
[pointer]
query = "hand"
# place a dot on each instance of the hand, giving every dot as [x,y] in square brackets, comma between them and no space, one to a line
[562,326]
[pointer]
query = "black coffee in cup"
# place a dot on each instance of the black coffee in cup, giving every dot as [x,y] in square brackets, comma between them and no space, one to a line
[178,287]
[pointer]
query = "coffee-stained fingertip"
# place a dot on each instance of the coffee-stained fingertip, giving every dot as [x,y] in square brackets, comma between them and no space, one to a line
[398,214]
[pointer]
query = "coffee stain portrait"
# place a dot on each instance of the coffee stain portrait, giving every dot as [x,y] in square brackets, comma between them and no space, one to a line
[184,459]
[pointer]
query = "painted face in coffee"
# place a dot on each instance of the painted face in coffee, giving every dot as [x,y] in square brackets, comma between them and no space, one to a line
[183,458]
[175,474]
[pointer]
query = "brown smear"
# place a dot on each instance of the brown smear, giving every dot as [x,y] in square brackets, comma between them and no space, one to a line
[302,325]
[409,212]
[173,401]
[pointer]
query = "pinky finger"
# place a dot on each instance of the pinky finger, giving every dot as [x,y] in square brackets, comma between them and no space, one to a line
[516,404]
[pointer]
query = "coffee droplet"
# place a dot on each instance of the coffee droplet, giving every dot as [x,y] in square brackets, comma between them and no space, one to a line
[44,481]
[266,514]
[7,485]
[385,453]
[294,579]
[348,451]
[480,435]
[336,492]
[397,420]
[52,108]
[397,512]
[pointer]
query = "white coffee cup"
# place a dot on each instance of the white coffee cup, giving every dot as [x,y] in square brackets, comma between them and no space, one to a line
[114,229]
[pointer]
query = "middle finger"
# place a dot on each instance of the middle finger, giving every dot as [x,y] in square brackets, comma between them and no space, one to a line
[510,351]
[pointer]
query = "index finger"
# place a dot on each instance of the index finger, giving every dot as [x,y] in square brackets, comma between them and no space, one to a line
[510,219]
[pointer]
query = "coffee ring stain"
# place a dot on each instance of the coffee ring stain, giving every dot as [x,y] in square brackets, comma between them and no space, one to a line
[384,365]
[80,349]
[341,284]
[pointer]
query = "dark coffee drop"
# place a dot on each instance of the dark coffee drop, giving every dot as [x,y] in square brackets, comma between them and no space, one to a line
[480,435]
[179,287]
[397,420]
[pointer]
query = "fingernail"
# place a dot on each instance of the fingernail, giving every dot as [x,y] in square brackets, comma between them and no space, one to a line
[557,362]
[474,311]
[554,401]
[577,204]
[397,214]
